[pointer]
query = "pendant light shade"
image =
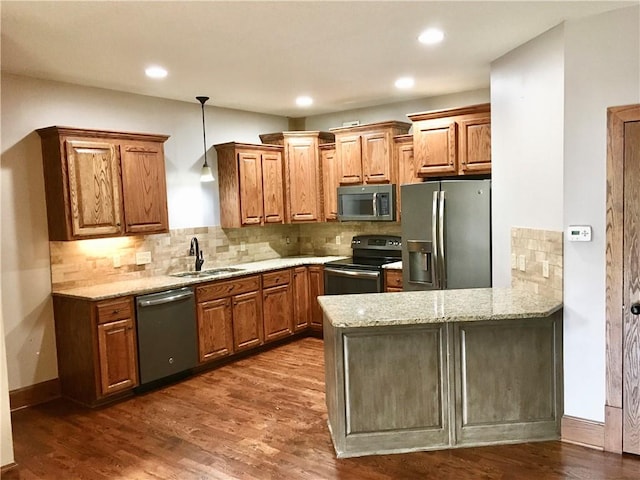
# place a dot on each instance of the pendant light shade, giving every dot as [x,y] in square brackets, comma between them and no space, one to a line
[205,175]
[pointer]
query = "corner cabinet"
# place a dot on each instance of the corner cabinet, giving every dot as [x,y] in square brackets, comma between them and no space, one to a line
[365,152]
[102,183]
[302,173]
[453,142]
[251,184]
[96,345]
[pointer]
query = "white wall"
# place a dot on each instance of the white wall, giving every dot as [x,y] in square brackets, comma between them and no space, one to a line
[602,69]
[28,104]
[527,99]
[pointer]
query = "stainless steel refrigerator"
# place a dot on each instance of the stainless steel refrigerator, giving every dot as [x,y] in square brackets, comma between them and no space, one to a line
[446,234]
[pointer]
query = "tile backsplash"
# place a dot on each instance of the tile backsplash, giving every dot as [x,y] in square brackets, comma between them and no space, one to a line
[90,262]
[534,248]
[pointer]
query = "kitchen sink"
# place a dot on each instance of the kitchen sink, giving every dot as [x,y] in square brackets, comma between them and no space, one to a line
[207,273]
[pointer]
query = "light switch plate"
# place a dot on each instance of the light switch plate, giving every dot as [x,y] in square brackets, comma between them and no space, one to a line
[545,268]
[338,241]
[522,263]
[142,258]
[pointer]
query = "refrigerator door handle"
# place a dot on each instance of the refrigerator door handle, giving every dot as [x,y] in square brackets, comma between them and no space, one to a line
[441,252]
[434,237]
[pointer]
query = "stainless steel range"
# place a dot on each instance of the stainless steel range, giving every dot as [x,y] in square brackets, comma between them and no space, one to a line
[362,273]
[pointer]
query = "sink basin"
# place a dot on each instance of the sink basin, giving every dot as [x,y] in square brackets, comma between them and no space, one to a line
[207,273]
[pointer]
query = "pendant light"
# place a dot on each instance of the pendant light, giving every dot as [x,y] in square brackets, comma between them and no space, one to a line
[205,175]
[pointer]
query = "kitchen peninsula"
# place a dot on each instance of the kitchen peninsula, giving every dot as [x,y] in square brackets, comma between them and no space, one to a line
[431,370]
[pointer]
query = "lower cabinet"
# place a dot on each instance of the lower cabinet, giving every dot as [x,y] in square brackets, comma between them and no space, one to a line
[301,305]
[277,305]
[392,280]
[247,321]
[96,346]
[215,332]
[316,288]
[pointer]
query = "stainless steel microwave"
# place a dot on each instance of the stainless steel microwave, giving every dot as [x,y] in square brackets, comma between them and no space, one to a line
[367,202]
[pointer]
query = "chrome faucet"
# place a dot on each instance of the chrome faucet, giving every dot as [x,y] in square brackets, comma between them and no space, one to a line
[194,249]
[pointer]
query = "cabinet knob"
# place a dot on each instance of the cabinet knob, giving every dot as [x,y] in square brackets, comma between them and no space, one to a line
[115,312]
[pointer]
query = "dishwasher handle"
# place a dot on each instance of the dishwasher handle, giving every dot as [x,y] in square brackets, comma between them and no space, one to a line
[173,297]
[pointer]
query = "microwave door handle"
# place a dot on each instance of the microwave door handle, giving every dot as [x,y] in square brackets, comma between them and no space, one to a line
[434,239]
[375,204]
[443,260]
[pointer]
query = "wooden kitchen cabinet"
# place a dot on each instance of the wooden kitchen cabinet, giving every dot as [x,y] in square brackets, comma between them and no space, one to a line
[277,302]
[392,280]
[96,347]
[453,141]
[301,299]
[365,152]
[302,173]
[330,180]
[103,183]
[251,184]
[316,288]
[215,330]
[407,167]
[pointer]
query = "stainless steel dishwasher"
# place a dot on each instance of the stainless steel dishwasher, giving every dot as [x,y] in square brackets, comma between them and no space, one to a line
[167,340]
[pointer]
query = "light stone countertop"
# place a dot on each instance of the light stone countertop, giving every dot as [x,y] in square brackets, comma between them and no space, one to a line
[435,306]
[393,266]
[166,282]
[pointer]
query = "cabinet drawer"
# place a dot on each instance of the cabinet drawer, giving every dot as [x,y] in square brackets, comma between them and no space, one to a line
[273,279]
[393,278]
[119,309]
[215,290]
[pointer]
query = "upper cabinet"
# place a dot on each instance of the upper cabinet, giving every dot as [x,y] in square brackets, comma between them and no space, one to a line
[364,153]
[330,180]
[453,141]
[251,184]
[102,183]
[302,173]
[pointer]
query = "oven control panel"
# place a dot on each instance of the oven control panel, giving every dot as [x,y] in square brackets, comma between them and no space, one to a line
[376,242]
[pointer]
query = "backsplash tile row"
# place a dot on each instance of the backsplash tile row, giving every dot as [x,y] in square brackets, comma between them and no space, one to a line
[535,247]
[320,238]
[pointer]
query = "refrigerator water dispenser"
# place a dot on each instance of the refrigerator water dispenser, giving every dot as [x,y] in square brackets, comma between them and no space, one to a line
[420,262]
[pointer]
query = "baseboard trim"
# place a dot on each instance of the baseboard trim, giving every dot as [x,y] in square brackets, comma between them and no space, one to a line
[8,467]
[34,394]
[582,432]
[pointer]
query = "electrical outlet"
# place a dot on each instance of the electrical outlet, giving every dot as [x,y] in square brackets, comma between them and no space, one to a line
[522,263]
[545,268]
[142,258]
[514,261]
[116,261]
[243,247]
[338,240]
[287,240]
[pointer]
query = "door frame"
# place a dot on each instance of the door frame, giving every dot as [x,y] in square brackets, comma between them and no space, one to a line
[616,118]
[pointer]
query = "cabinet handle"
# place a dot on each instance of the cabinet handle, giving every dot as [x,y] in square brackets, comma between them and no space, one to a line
[115,312]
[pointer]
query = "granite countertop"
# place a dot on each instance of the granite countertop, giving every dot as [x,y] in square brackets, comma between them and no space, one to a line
[165,282]
[435,306]
[393,266]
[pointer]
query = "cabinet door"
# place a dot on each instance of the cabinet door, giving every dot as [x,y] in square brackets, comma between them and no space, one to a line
[434,144]
[376,157]
[475,145]
[276,307]
[407,168]
[316,288]
[304,193]
[250,169]
[247,321]
[301,306]
[94,188]
[144,188]
[331,182]
[349,155]
[215,333]
[117,356]
[272,190]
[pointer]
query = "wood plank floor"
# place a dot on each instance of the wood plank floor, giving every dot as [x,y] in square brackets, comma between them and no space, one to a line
[259,418]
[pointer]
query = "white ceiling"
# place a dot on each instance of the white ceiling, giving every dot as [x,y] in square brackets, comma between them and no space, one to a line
[259,56]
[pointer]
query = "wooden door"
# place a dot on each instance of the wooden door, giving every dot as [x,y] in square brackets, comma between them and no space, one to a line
[376,157]
[331,182]
[272,187]
[475,145]
[434,145]
[316,288]
[303,180]
[631,290]
[117,356]
[144,188]
[301,306]
[215,332]
[349,157]
[251,205]
[94,188]
[276,308]
[247,321]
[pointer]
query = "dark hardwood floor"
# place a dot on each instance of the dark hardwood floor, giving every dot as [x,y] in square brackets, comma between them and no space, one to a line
[262,417]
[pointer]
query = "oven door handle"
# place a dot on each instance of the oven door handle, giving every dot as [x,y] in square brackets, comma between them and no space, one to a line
[352,273]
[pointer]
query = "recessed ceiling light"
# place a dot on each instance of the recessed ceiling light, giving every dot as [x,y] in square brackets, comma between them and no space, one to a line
[405,82]
[304,101]
[431,36]
[155,72]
